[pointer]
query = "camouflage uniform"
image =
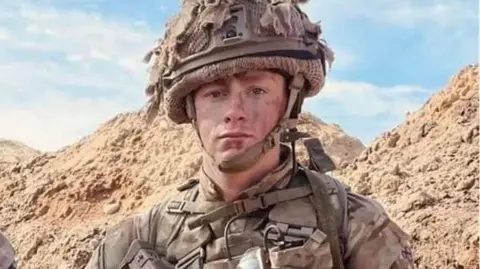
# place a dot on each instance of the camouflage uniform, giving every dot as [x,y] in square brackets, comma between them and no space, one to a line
[295,217]
[372,240]
[7,254]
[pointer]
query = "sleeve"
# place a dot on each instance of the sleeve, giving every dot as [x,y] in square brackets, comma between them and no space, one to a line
[114,246]
[374,240]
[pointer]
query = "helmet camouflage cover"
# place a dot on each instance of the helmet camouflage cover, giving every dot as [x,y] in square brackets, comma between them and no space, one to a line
[211,39]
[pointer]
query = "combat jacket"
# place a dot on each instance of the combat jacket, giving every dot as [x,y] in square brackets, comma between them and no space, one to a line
[198,229]
[7,253]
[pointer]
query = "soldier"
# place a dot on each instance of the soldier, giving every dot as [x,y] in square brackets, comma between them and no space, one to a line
[7,254]
[238,72]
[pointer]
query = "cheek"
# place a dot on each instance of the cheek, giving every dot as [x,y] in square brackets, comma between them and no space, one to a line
[264,116]
[207,121]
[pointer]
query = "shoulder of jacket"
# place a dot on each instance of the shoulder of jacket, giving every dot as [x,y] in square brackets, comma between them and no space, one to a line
[371,227]
[374,235]
[333,184]
[147,224]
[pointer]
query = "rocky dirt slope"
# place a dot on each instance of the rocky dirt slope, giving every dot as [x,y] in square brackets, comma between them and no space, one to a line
[14,151]
[341,147]
[425,172]
[57,206]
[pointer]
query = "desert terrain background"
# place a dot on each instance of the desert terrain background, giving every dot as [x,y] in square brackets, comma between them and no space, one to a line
[56,206]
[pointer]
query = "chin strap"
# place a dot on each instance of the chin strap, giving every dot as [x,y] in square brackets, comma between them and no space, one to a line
[284,131]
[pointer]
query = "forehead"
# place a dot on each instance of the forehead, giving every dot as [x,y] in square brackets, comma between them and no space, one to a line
[263,76]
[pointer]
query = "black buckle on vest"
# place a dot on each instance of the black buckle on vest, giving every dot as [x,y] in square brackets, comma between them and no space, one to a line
[250,205]
[293,235]
[292,136]
[194,259]
[176,206]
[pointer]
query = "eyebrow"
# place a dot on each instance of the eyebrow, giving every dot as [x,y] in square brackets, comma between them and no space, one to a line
[254,76]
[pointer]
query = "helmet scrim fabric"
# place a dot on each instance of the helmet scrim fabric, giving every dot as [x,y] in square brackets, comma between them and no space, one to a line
[212,39]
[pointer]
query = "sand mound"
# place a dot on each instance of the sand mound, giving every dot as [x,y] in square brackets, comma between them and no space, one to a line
[59,205]
[425,171]
[13,151]
[342,148]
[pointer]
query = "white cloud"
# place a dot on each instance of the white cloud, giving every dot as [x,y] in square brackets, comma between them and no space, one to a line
[441,14]
[4,34]
[55,119]
[440,26]
[74,58]
[83,68]
[66,71]
[367,100]
[99,55]
[438,14]
[343,59]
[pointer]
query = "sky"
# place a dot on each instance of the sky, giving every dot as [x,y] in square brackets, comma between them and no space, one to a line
[68,66]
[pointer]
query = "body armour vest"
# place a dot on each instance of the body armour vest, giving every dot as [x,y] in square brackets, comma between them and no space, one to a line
[300,226]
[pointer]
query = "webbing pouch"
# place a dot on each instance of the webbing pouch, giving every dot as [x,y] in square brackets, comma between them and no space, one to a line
[193,260]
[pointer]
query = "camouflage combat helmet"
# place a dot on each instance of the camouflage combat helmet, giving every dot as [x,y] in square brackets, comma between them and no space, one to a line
[211,39]
[7,253]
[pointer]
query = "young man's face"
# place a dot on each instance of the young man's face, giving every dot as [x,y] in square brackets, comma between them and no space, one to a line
[235,113]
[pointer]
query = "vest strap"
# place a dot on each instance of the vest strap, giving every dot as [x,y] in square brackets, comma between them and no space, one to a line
[325,216]
[180,207]
[191,196]
[246,206]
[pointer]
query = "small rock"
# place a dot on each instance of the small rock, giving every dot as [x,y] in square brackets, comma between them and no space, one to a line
[354,166]
[32,250]
[28,216]
[81,258]
[137,138]
[67,212]
[466,184]
[36,194]
[433,167]
[476,130]
[363,175]
[111,208]
[57,188]
[363,157]
[467,137]
[392,142]
[452,151]
[418,200]
[374,158]
[16,169]
[396,170]
[376,146]
[43,210]
[363,188]
[406,143]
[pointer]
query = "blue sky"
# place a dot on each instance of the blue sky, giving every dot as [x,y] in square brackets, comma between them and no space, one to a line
[68,66]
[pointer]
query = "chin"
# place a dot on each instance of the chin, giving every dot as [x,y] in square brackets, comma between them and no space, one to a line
[227,154]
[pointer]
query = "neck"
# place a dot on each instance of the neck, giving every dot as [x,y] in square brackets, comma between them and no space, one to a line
[232,184]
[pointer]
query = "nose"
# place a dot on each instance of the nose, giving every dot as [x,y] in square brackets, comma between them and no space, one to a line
[236,110]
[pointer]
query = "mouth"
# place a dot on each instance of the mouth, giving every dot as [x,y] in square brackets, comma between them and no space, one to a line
[234,135]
